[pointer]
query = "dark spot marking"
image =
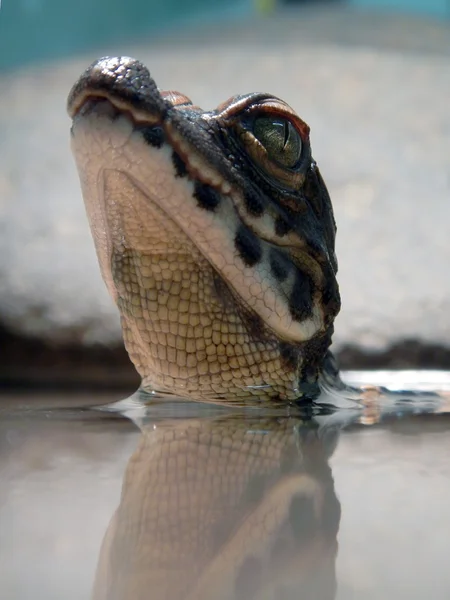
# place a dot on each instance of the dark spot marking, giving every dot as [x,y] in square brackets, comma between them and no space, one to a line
[154,136]
[179,165]
[248,580]
[300,302]
[279,264]
[330,297]
[248,246]
[328,292]
[315,353]
[254,203]
[206,196]
[302,519]
[289,356]
[315,245]
[282,226]
[314,189]
[311,366]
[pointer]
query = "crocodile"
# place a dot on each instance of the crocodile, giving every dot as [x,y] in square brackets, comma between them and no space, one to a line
[215,236]
[228,508]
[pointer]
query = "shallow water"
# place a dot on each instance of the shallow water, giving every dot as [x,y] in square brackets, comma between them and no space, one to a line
[193,502]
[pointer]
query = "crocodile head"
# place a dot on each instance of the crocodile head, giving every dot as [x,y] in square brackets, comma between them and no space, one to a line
[214,233]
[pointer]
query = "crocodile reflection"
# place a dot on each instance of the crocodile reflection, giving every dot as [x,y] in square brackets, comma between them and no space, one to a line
[225,509]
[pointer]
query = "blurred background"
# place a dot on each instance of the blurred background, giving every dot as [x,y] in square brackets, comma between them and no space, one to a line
[372,79]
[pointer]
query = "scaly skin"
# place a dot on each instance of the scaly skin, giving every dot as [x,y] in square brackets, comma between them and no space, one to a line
[229,509]
[214,233]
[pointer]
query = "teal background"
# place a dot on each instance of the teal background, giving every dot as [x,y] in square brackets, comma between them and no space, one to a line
[32,30]
[435,8]
[36,30]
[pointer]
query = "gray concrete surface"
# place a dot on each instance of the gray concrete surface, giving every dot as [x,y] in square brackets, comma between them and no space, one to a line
[377,105]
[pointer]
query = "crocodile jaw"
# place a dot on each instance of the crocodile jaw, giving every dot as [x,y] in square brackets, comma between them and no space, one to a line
[182,327]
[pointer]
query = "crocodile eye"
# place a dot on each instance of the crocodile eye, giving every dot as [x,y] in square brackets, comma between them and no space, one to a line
[280,139]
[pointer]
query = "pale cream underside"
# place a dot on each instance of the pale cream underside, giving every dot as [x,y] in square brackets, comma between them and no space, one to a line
[103,146]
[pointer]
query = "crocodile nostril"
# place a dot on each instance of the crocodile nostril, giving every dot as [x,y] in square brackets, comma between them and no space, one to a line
[100,107]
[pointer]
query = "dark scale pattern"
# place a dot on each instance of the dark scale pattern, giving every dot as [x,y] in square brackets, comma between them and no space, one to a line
[331,298]
[314,352]
[154,136]
[289,356]
[313,190]
[254,203]
[206,196]
[279,264]
[300,302]
[248,246]
[282,226]
[179,165]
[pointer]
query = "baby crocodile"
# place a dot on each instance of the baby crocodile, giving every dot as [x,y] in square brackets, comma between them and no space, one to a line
[215,236]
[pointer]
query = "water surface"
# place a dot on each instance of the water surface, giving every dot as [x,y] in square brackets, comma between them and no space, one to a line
[193,502]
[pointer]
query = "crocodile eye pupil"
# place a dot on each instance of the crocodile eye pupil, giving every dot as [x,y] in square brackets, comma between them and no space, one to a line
[280,139]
